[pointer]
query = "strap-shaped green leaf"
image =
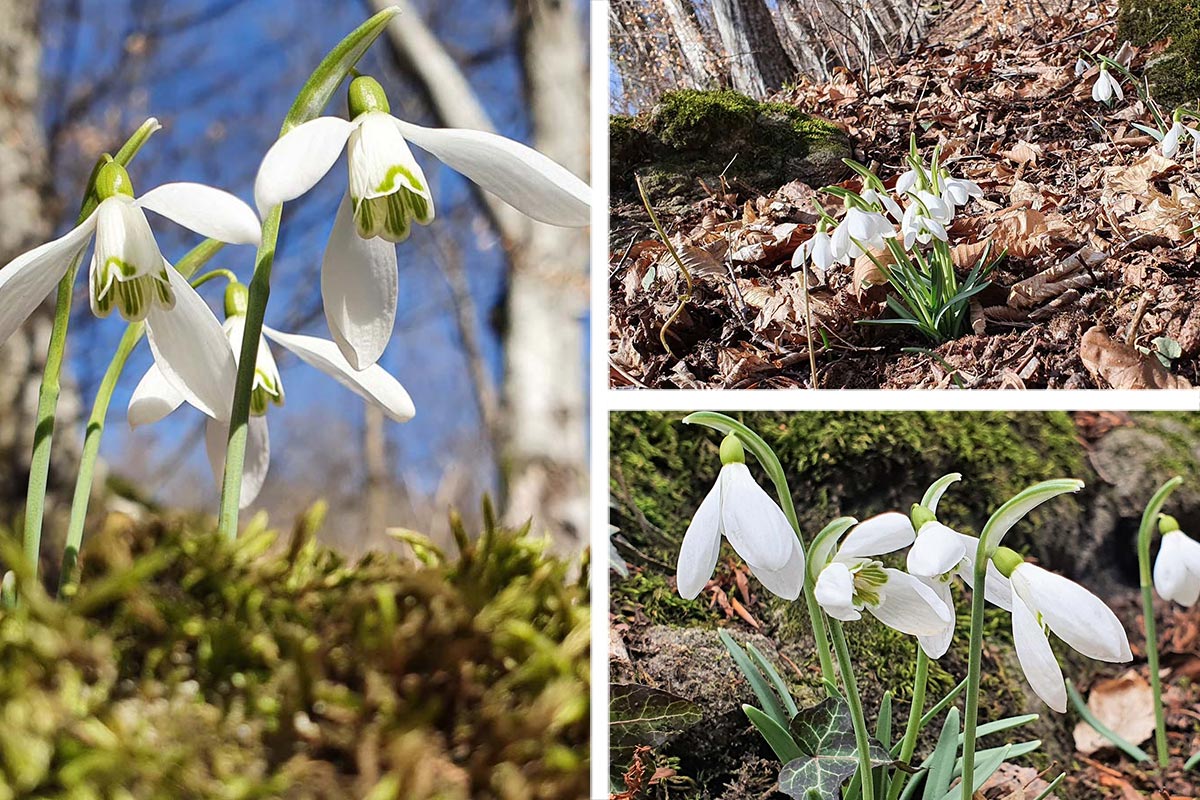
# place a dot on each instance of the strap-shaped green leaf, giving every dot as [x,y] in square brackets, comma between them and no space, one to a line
[941,760]
[776,735]
[762,688]
[333,69]
[775,678]
[986,764]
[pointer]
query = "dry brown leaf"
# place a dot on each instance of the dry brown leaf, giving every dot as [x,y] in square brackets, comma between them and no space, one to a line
[1122,366]
[1137,177]
[1022,233]
[1124,704]
[867,273]
[966,256]
[1024,153]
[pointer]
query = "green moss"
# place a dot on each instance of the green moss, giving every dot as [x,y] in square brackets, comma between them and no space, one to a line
[1175,74]
[691,119]
[186,667]
[649,595]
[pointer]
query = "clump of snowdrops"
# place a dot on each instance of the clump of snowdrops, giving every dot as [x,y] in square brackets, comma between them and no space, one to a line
[827,751]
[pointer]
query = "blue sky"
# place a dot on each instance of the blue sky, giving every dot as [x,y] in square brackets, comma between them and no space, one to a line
[220,75]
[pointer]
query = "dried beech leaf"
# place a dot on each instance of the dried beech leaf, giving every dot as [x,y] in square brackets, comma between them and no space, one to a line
[1024,153]
[1122,366]
[868,274]
[1124,704]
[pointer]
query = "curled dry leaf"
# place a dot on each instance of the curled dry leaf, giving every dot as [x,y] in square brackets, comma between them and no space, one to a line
[1122,366]
[1124,704]
[1023,153]
[867,273]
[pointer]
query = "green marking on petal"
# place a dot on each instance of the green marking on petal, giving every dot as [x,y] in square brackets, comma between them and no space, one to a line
[389,183]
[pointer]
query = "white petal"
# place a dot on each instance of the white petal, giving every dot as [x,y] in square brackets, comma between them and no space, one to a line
[373,384]
[257,460]
[998,591]
[520,176]
[834,591]
[123,234]
[153,399]
[1170,142]
[911,607]
[937,550]
[1101,91]
[788,581]
[935,646]
[359,287]
[207,211]
[30,277]
[906,182]
[752,522]
[1116,87]
[1177,569]
[1036,658]
[380,160]
[701,546]
[822,252]
[298,160]
[190,348]
[883,533]
[1076,616]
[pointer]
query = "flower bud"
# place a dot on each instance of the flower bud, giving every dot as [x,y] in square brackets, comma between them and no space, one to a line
[731,450]
[113,180]
[367,95]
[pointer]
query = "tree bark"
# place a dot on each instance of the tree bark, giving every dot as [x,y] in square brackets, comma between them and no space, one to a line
[544,452]
[699,58]
[758,64]
[378,475]
[24,223]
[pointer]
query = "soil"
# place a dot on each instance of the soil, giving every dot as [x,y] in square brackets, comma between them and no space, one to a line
[1100,276]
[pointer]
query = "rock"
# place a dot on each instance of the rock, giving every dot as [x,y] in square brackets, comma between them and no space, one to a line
[699,135]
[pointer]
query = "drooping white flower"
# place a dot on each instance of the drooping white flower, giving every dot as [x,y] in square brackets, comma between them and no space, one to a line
[155,398]
[1106,86]
[854,580]
[388,192]
[738,509]
[1177,568]
[1172,142]
[1081,67]
[1042,601]
[957,192]
[884,202]
[129,273]
[906,182]
[818,249]
[859,229]
[925,218]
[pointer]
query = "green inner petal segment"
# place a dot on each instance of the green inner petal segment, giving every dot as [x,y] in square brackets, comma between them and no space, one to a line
[119,284]
[391,216]
[869,578]
[265,392]
[389,185]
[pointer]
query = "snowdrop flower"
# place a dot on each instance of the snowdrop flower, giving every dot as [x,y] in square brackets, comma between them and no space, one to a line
[738,509]
[925,219]
[958,192]
[1177,568]
[1106,86]
[1172,143]
[883,201]
[853,580]
[1081,66]
[937,557]
[1043,601]
[906,182]
[818,249]
[128,272]
[155,397]
[388,192]
[859,230]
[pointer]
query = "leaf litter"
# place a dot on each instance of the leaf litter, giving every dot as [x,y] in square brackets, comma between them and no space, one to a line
[1100,232]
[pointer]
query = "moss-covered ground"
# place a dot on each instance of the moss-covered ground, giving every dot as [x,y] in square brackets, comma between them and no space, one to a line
[1175,74]
[186,667]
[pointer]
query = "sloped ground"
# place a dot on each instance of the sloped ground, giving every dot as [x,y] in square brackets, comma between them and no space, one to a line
[1102,252]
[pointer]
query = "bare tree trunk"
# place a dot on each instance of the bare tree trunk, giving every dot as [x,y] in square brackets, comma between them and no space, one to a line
[24,223]
[378,480]
[758,64]
[543,401]
[697,55]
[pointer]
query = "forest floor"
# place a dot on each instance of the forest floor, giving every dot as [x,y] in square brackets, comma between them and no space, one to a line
[1099,285]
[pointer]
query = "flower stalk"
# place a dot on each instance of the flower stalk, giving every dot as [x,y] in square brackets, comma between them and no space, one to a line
[861,736]
[1150,520]
[912,730]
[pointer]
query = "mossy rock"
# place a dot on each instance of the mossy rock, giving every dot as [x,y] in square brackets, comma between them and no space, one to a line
[694,135]
[1175,74]
[189,667]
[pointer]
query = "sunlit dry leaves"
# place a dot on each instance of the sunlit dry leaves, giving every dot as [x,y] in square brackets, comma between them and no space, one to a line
[1138,176]
[1074,272]
[867,272]
[1122,366]
[1022,232]
[1125,705]
[1173,216]
[1014,782]
[1024,153]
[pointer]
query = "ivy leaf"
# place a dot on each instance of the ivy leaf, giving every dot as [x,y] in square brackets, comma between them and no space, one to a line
[825,734]
[643,715]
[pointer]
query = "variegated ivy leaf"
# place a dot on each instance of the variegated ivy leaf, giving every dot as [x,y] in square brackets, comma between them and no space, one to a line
[825,733]
[643,715]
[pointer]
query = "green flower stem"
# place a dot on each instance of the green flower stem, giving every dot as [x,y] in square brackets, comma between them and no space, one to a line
[908,744]
[770,462]
[974,667]
[39,466]
[235,454]
[1145,535]
[861,737]
[186,267]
